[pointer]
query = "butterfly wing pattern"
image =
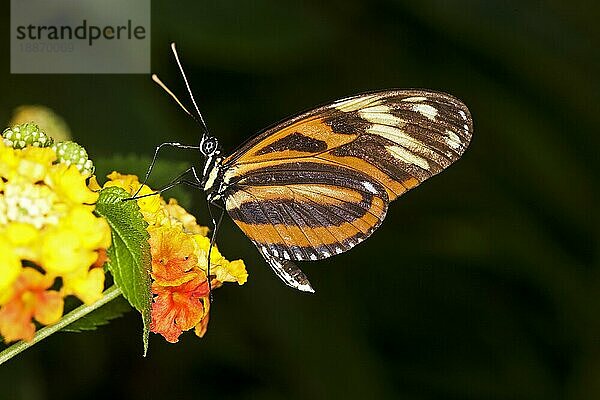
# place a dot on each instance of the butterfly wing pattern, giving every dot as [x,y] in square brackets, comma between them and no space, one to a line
[319,183]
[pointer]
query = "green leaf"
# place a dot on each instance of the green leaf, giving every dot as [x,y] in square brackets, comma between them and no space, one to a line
[102,316]
[129,254]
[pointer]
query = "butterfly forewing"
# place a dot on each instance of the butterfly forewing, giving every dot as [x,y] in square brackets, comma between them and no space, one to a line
[318,183]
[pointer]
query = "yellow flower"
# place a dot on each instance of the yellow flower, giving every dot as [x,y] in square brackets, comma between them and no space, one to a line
[29,164]
[10,268]
[94,231]
[149,206]
[46,222]
[178,216]
[71,246]
[35,162]
[9,161]
[87,284]
[29,203]
[223,270]
[69,184]
[24,199]
[23,237]
[93,184]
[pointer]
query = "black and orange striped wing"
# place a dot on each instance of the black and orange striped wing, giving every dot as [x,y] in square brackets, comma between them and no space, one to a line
[319,183]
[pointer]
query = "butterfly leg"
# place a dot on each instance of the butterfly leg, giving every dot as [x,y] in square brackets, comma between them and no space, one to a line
[177,181]
[213,238]
[155,157]
[290,274]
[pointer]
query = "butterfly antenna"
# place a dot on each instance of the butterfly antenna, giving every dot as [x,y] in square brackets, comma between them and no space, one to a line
[160,83]
[187,85]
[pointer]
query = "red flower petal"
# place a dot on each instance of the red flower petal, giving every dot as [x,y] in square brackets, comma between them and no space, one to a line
[178,308]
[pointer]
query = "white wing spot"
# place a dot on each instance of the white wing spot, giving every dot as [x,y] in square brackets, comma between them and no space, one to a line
[286,255]
[396,135]
[353,104]
[380,115]
[453,140]
[338,250]
[305,287]
[462,114]
[415,99]
[369,187]
[375,109]
[313,257]
[426,110]
[325,253]
[466,128]
[400,153]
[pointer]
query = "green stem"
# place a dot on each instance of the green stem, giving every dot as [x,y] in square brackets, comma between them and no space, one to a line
[109,294]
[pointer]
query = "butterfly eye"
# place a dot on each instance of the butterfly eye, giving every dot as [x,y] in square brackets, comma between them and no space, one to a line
[208,146]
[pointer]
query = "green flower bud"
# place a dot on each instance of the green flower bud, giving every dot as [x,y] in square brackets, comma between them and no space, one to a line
[48,120]
[29,134]
[71,153]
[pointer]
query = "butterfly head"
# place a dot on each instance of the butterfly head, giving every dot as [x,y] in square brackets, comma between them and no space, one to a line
[209,146]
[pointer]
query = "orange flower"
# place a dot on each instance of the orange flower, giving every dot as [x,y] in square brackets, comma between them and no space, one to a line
[180,287]
[179,308]
[179,249]
[30,299]
[172,256]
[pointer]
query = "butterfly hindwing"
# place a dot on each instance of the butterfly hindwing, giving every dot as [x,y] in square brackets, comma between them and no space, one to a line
[289,273]
[309,212]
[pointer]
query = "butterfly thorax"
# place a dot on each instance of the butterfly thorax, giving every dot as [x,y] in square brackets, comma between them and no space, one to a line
[212,176]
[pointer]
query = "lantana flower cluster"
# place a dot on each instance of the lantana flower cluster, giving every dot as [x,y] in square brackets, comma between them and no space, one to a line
[51,243]
[179,249]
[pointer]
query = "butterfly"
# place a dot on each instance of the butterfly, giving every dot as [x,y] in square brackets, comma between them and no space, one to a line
[318,183]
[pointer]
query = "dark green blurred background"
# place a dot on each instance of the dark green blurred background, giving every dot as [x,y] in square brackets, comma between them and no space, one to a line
[483,283]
